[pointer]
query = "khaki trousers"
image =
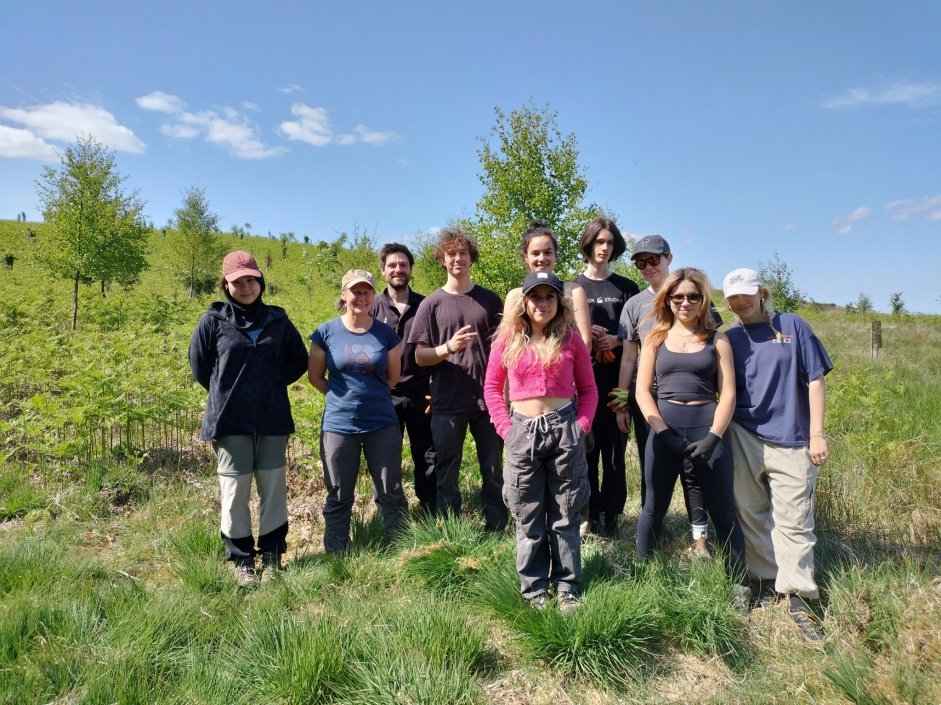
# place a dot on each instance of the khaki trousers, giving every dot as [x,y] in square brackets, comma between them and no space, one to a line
[774,497]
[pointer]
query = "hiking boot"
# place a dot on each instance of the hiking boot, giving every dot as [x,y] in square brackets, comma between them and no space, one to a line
[804,617]
[244,571]
[539,601]
[763,593]
[569,602]
[270,564]
[699,549]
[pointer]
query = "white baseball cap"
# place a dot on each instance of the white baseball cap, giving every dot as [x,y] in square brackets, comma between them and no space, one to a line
[741,281]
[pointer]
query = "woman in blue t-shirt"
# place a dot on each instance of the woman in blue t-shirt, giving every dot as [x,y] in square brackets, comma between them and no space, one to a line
[355,361]
[778,442]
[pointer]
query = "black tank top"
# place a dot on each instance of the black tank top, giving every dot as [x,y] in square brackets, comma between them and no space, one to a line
[688,376]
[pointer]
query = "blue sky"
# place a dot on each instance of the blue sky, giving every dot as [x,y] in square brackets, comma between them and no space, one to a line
[734,129]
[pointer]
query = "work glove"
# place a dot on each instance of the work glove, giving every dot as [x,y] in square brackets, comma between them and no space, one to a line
[702,449]
[672,440]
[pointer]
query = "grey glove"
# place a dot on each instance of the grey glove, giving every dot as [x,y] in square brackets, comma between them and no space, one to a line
[672,440]
[704,447]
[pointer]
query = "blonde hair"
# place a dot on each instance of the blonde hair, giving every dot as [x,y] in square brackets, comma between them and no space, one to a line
[767,310]
[516,330]
[663,314]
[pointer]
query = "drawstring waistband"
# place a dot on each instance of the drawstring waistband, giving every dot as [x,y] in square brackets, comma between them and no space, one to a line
[538,424]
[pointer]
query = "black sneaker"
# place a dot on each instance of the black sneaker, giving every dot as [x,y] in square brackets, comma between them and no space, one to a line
[539,601]
[804,617]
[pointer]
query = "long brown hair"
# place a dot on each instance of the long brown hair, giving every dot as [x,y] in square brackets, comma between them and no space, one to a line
[662,313]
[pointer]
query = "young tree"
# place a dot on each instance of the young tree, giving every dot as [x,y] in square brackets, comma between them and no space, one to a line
[863,303]
[529,170]
[97,231]
[777,276]
[198,250]
[898,306]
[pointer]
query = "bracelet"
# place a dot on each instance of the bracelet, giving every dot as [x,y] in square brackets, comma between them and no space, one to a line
[818,435]
[447,346]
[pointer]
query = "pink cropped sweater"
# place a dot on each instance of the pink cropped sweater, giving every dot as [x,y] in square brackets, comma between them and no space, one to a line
[530,379]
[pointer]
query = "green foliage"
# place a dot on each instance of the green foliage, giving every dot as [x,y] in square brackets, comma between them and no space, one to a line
[96,230]
[198,251]
[897,304]
[777,276]
[529,169]
[863,303]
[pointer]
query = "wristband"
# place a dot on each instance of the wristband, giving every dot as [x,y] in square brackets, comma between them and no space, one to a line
[447,346]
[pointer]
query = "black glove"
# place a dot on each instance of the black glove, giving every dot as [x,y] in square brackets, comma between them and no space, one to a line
[702,449]
[672,440]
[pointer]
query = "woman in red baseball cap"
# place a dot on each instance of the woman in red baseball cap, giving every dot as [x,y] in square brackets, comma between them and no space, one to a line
[246,353]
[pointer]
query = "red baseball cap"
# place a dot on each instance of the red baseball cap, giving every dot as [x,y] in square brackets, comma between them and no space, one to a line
[239,264]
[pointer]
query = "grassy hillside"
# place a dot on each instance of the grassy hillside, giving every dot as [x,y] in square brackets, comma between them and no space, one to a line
[113,587]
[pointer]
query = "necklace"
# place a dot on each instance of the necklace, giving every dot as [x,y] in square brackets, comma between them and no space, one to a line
[686,339]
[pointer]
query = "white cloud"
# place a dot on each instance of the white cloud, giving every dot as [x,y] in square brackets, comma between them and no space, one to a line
[844,224]
[231,130]
[914,95]
[15,142]
[926,207]
[373,136]
[63,122]
[292,88]
[161,102]
[312,125]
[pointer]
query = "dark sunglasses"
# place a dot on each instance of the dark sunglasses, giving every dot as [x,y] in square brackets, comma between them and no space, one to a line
[692,298]
[643,263]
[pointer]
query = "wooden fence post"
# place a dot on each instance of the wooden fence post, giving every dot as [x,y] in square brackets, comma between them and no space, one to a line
[876,338]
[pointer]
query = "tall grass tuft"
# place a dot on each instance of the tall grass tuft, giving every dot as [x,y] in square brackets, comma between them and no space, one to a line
[446,554]
[851,675]
[697,608]
[421,651]
[291,659]
[196,556]
[607,641]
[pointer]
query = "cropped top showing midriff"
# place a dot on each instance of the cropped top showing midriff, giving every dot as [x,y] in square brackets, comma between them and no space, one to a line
[688,378]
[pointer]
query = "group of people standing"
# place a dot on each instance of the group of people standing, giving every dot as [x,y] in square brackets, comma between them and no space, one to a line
[737,417]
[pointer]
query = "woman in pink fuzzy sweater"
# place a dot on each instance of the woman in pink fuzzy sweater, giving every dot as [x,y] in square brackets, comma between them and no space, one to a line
[552,394]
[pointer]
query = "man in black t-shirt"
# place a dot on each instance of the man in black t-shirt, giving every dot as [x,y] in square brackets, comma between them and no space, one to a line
[607,292]
[452,332]
[397,306]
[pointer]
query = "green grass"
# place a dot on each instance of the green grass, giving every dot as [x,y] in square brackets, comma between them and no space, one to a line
[113,587]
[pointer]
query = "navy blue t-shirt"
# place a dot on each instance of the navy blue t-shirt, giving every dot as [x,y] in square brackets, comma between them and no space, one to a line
[358,396]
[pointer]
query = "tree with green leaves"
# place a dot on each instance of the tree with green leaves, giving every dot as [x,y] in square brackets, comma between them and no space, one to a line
[97,230]
[863,303]
[777,276]
[898,306]
[529,170]
[199,250]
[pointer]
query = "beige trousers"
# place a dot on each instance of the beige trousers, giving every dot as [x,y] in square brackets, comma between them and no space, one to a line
[774,498]
[241,458]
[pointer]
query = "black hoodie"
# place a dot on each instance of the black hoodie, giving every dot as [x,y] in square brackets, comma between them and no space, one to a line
[247,380]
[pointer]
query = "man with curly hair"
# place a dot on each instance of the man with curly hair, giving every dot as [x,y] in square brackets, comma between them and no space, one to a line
[452,331]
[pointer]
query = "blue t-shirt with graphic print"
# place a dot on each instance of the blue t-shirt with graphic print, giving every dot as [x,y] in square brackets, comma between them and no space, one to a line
[358,396]
[772,375]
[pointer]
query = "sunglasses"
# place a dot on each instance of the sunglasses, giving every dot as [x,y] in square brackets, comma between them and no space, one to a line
[692,298]
[643,263]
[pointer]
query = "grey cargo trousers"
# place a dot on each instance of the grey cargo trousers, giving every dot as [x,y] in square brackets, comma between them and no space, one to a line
[545,487]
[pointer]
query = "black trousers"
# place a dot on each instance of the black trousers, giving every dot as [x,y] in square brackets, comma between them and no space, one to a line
[410,411]
[708,484]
